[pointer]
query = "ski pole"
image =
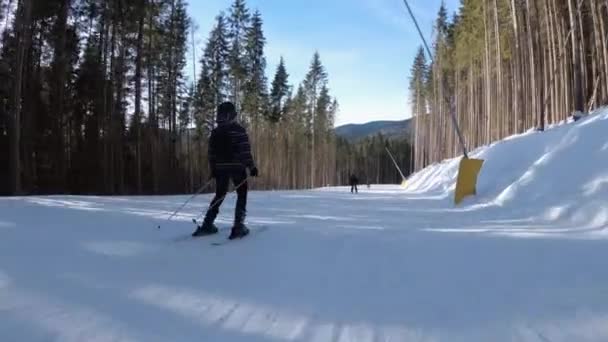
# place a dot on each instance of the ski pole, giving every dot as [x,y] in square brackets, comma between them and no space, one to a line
[189,199]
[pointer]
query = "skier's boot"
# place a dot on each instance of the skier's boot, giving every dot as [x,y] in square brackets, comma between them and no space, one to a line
[208,228]
[239,230]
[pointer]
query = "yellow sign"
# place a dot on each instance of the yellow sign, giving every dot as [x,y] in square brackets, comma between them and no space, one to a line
[466,181]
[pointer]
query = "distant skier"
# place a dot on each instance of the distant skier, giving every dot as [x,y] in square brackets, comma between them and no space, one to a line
[353,183]
[229,158]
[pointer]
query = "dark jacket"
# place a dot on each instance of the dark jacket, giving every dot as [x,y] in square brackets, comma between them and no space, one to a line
[229,148]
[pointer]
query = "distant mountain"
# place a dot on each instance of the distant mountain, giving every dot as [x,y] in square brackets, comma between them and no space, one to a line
[390,129]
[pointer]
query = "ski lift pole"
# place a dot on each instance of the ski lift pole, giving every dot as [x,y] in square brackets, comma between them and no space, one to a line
[394,162]
[452,109]
[418,28]
[458,132]
[468,170]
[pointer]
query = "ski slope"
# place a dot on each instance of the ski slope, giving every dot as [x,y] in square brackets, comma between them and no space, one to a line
[525,260]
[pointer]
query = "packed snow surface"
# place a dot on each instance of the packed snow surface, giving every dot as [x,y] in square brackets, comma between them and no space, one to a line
[524,260]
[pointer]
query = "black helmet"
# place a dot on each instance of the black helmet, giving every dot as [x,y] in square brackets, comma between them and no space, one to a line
[226,112]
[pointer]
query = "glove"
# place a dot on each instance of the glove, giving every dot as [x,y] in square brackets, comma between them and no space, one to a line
[213,174]
[253,172]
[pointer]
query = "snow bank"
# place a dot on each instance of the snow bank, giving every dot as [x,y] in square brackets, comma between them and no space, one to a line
[559,175]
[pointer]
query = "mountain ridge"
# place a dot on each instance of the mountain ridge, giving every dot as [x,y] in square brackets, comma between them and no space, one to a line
[392,129]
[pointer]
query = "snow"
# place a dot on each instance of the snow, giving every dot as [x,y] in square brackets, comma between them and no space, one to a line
[557,178]
[524,260]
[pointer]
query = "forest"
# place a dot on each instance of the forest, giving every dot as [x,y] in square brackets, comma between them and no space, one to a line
[503,67]
[371,159]
[96,100]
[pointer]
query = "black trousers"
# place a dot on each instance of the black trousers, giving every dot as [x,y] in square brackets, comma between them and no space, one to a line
[239,178]
[353,188]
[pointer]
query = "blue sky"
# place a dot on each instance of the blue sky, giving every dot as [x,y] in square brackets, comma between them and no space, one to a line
[367,46]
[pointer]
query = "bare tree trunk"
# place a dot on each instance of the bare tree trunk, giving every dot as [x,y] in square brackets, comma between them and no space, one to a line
[152,117]
[552,91]
[470,108]
[172,85]
[313,155]
[593,98]
[58,99]
[563,71]
[191,115]
[487,110]
[578,85]
[24,20]
[603,39]
[542,68]
[107,95]
[499,97]
[138,77]
[532,60]
[600,41]
[120,115]
[582,52]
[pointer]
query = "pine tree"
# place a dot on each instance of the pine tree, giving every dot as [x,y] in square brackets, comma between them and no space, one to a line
[314,82]
[322,110]
[279,92]
[204,103]
[238,28]
[418,99]
[216,59]
[256,93]
[212,86]
[185,110]
[171,72]
[301,134]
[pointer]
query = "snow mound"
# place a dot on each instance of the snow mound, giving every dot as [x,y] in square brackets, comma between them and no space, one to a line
[559,175]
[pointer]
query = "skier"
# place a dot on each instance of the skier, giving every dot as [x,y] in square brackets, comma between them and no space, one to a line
[229,158]
[353,183]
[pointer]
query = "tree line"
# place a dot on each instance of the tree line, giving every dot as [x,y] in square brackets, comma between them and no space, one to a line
[95,100]
[93,91]
[370,161]
[504,67]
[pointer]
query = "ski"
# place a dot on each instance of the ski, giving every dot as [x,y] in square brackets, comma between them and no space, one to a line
[252,231]
[189,237]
